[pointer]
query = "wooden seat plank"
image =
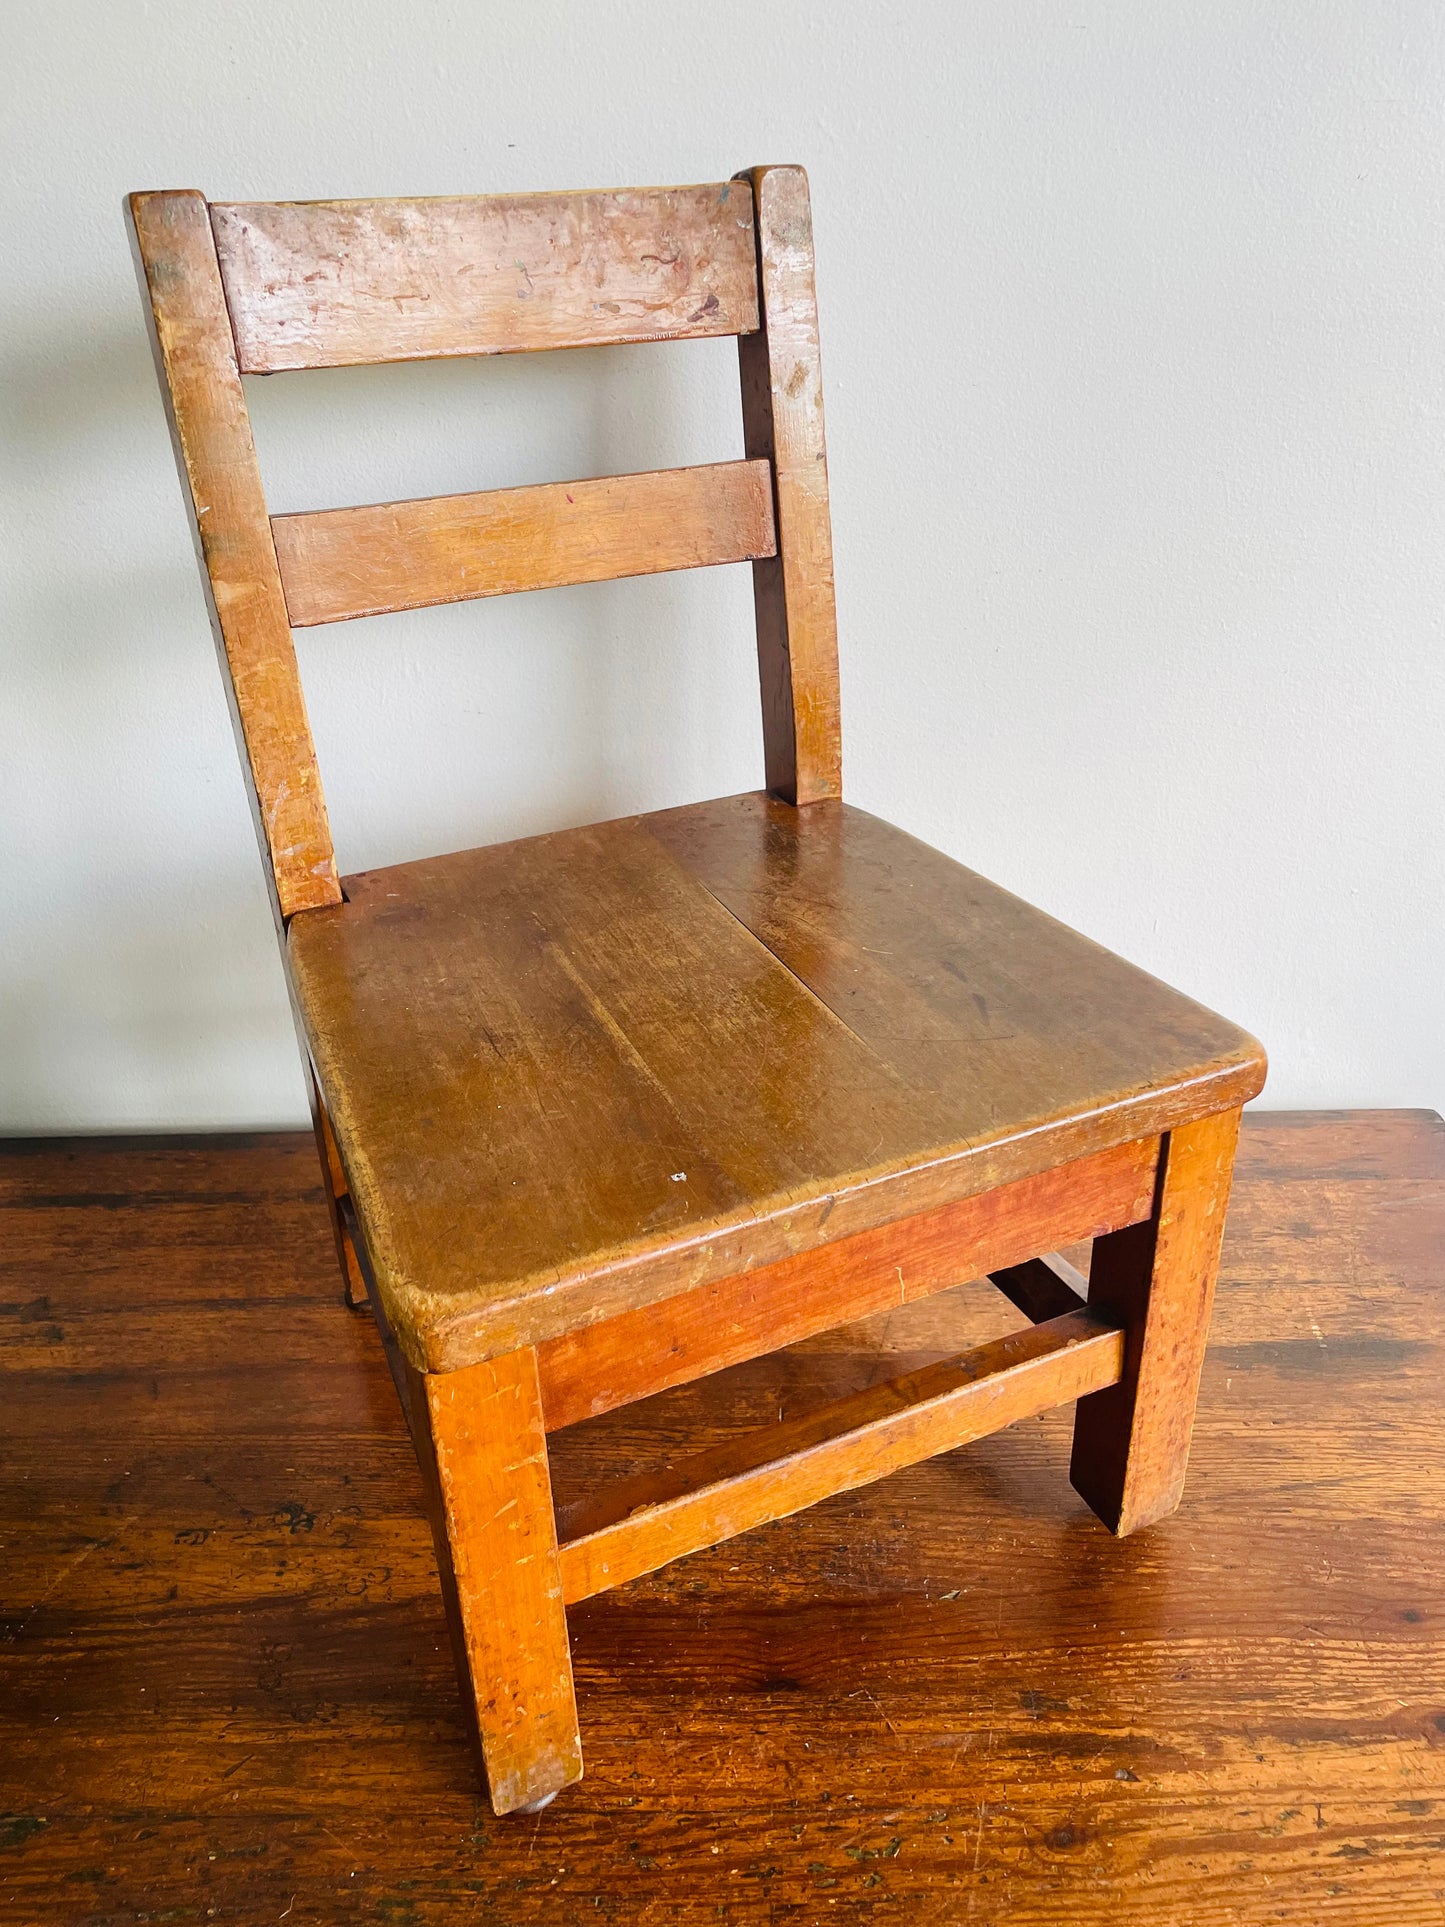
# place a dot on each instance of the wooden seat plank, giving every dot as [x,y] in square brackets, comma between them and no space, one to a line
[568,1080]
[965,989]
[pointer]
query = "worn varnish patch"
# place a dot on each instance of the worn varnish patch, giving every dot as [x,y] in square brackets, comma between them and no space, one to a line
[322,284]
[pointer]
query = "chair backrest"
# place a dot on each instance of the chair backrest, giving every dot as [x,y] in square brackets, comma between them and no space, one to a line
[254,288]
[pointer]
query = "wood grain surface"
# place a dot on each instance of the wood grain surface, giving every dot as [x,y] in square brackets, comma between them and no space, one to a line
[488,1443]
[599,1367]
[206,409]
[226,1691]
[578,1074]
[1131,1443]
[782,391]
[324,284]
[340,563]
[633,1526]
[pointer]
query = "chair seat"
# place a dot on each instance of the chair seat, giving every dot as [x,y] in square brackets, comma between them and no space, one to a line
[576,1074]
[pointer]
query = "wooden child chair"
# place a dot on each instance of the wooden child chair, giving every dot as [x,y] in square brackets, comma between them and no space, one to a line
[606,1110]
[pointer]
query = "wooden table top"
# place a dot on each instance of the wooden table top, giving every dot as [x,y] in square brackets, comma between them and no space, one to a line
[225,1689]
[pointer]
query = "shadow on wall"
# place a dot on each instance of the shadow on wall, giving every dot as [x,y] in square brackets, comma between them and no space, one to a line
[137,972]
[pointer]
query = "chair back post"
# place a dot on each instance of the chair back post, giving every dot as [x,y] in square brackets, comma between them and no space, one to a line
[206,407]
[782,392]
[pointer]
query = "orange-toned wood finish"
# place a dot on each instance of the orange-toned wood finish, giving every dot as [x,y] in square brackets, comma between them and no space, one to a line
[1131,1444]
[324,284]
[782,384]
[606,1111]
[599,1367]
[340,563]
[636,1525]
[774,1028]
[485,1433]
[196,357]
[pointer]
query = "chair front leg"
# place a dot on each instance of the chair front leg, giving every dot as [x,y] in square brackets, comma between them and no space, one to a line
[483,1446]
[1131,1442]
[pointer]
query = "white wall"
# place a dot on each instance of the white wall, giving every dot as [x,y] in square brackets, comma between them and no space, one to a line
[1132,333]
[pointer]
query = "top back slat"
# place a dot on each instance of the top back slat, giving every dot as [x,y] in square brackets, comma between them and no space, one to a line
[324,284]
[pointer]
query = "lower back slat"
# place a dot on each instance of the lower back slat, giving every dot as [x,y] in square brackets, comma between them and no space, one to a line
[339,563]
